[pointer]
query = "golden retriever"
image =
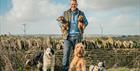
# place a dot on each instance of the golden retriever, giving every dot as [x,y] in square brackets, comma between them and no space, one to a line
[78,63]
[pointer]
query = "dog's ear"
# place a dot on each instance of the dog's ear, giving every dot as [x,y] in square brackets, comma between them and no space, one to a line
[58,18]
[104,64]
[52,51]
[82,49]
[75,50]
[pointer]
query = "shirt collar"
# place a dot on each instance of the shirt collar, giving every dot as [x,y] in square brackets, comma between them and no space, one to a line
[74,10]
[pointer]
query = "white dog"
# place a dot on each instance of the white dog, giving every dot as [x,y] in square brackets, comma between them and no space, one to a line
[100,67]
[48,59]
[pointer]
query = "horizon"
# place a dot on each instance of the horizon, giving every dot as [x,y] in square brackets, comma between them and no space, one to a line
[61,34]
[104,17]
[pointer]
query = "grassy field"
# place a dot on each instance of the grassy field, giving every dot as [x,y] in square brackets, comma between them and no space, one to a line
[123,69]
[13,56]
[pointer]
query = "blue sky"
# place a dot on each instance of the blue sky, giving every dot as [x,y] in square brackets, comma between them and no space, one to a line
[119,17]
[5,6]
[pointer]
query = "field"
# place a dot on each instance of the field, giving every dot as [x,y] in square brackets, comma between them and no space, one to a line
[120,53]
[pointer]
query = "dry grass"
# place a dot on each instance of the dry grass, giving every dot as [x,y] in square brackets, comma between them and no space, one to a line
[14,59]
[123,69]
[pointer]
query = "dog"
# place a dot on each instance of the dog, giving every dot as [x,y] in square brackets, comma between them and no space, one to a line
[78,63]
[93,68]
[99,67]
[81,26]
[63,25]
[48,59]
[35,63]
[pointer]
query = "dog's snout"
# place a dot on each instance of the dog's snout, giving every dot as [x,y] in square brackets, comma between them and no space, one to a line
[50,54]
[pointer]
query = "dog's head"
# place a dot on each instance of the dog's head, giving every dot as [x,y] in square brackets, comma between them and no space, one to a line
[101,66]
[61,19]
[38,58]
[49,52]
[80,18]
[79,50]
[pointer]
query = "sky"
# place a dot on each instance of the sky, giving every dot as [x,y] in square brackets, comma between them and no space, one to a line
[118,17]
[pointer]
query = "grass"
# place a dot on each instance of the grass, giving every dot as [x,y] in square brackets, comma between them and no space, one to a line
[123,69]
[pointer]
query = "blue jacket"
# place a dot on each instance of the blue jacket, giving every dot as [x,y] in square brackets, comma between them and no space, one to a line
[72,20]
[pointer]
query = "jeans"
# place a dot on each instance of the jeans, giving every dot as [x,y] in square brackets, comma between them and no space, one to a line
[69,45]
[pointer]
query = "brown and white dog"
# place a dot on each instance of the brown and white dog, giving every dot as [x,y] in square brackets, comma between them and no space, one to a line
[78,63]
[48,59]
[63,24]
[81,26]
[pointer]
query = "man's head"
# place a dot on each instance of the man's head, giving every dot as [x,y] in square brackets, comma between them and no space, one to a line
[73,5]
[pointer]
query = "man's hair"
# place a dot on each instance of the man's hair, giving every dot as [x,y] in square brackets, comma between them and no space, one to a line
[74,0]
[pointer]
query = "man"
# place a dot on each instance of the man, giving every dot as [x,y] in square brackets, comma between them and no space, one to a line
[74,33]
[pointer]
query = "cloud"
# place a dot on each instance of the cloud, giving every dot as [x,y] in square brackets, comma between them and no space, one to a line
[116,16]
[123,16]
[32,12]
[121,24]
[101,5]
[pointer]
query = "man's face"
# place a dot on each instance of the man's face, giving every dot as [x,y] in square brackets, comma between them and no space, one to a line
[73,5]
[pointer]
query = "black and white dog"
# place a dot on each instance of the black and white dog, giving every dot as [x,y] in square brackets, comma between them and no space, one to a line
[43,61]
[48,59]
[36,62]
[99,67]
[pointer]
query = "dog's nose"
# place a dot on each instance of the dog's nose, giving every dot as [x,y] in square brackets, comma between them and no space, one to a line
[49,54]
